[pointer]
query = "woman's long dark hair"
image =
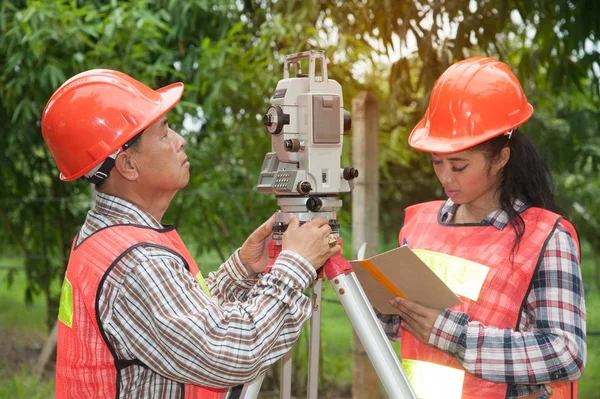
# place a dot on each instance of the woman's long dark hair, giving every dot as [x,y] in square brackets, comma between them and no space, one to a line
[525,176]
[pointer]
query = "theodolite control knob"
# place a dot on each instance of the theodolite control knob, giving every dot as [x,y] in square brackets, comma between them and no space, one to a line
[314,204]
[347,120]
[304,187]
[292,145]
[350,173]
[280,227]
[334,224]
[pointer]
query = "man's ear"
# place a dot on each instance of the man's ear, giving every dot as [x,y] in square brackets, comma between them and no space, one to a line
[126,165]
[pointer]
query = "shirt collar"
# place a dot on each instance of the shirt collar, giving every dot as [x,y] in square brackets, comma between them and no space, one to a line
[123,212]
[497,218]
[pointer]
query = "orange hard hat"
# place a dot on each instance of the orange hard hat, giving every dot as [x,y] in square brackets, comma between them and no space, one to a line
[95,112]
[473,101]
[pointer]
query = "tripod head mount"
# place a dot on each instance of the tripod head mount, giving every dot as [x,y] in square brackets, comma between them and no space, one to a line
[307,122]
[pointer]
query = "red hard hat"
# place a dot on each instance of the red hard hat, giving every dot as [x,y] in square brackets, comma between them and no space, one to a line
[473,101]
[95,112]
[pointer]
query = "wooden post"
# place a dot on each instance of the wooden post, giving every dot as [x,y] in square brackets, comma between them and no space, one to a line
[365,218]
[48,351]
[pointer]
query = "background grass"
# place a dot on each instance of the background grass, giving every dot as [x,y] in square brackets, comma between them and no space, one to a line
[27,321]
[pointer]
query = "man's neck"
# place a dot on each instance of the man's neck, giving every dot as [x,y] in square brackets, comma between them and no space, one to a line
[156,204]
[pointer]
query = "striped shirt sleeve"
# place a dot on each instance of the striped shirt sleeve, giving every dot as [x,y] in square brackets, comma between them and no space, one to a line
[232,281]
[163,318]
[550,344]
[390,324]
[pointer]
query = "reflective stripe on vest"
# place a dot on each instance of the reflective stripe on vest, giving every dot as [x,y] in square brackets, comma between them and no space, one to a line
[65,309]
[432,381]
[202,283]
[85,363]
[477,263]
[463,277]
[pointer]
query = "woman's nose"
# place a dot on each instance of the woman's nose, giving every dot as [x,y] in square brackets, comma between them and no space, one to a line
[447,176]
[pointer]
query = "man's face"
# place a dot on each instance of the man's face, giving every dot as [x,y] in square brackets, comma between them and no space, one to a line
[162,164]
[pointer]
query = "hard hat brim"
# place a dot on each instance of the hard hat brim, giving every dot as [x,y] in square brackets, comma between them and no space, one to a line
[420,138]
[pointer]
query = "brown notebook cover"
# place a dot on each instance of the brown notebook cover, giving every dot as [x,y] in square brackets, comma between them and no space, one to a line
[400,272]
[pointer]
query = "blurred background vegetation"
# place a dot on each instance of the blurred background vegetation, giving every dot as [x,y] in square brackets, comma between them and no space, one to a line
[229,55]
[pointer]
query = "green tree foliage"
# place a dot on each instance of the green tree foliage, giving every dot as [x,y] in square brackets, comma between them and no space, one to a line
[229,53]
[551,45]
[44,43]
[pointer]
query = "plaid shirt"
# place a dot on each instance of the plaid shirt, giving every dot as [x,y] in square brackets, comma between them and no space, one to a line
[152,309]
[550,344]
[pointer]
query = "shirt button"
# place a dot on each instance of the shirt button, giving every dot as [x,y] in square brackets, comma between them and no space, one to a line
[556,375]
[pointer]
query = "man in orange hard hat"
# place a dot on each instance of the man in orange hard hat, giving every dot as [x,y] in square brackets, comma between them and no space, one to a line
[136,318]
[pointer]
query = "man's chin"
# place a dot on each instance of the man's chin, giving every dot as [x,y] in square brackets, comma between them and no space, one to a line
[185,181]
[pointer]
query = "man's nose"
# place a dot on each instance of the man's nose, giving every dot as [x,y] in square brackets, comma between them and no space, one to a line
[181,141]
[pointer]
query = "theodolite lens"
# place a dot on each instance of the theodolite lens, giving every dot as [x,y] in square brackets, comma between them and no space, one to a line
[267,120]
[275,119]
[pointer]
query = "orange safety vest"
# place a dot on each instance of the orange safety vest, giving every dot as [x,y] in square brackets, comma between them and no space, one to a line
[86,364]
[473,260]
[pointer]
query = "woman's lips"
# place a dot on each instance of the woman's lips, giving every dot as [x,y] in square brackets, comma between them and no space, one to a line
[451,193]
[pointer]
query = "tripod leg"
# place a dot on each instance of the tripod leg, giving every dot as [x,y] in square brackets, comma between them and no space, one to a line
[369,330]
[314,341]
[249,391]
[285,382]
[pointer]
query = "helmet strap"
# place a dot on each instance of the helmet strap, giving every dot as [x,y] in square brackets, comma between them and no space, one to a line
[102,172]
[98,176]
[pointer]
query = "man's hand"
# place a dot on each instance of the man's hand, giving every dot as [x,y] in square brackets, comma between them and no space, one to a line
[310,240]
[254,253]
[417,319]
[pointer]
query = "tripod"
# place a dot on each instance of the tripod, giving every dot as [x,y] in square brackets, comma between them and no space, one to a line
[381,354]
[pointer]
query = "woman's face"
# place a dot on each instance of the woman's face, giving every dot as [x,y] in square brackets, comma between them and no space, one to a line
[468,176]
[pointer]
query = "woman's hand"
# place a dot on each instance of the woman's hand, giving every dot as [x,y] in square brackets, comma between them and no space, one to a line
[417,319]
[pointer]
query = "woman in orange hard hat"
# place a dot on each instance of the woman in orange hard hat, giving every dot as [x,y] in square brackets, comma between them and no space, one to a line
[503,246]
